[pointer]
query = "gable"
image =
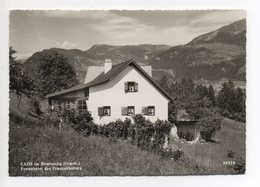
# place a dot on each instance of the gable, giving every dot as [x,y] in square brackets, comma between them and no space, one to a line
[116,86]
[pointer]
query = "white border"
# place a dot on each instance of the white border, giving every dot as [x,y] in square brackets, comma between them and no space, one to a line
[251,178]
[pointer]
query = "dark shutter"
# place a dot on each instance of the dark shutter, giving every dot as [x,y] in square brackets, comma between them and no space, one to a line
[145,110]
[84,104]
[136,86]
[124,111]
[126,86]
[100,111]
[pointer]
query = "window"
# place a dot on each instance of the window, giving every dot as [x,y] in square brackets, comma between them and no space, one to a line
[104,111]
[82,106]
[131,86]
[128,111]
[107,111]
[149,110]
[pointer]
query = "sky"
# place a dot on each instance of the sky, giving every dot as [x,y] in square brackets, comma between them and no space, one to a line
[34,30]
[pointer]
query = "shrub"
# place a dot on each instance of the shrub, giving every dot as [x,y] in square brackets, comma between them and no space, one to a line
[240,166]
[143,133]
[151,135]
[51,120]
[162,130]
[116,129]
[208,127]
[230,153]
[80,122]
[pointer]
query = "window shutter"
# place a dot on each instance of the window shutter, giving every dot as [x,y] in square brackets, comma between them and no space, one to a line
[124,111]
[100,111]
[145,110]
[126,87]
[136,86]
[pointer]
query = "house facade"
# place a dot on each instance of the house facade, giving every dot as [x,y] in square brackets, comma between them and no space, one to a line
[119,92]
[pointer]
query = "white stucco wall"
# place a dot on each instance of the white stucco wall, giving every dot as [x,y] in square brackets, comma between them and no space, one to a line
[113,94]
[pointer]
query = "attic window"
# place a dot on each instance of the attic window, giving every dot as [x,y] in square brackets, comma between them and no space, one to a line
[131,86]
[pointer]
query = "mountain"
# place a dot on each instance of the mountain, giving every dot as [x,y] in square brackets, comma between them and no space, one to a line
[140,53]
[96,55]
[217,55]
[211,56]
[230,34]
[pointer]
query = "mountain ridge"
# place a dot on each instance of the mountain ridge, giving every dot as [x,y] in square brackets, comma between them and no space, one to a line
[211,56]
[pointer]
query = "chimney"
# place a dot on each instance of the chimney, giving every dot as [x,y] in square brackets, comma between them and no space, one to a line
[107,65]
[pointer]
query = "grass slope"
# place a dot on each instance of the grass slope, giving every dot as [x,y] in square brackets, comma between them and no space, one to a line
[30,142]
[232,136]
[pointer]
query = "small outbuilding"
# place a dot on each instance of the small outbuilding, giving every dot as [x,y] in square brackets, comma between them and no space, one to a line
[186,126]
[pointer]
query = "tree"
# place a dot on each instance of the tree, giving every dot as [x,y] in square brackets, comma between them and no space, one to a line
[208,126]
[54,74]
[240,100]
[226,96]
[201,91]
[211,95]
[165,84]
[20,82]
[183,91]
[231,101]
[15,72]
[200,107]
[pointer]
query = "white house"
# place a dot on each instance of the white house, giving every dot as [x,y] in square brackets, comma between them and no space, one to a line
[112,92]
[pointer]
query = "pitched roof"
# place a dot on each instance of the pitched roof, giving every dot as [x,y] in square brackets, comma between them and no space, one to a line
[105,77]
[92,73]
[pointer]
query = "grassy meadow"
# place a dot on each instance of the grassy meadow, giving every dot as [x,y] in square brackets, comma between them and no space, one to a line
[214,155]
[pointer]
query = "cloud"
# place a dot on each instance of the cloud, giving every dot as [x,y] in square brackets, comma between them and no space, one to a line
[65,44]
[121,29]
[218,18]
[75,14]
[41,29]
